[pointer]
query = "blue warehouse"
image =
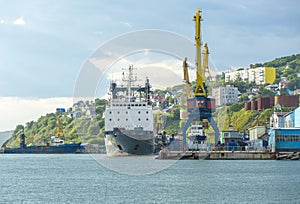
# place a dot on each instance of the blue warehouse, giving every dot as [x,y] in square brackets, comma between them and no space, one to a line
[285,140]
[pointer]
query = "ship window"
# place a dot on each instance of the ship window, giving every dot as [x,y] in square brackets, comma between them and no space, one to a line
[109,112]
[139,112]
[126,119]
[132,104]
[118,119]
[126,112]
[147,119]
[118,112]
[147,112]
[110,119]
[140,104]
[136,104]
[139,119]
[128,104]
[144,104]
[121,104]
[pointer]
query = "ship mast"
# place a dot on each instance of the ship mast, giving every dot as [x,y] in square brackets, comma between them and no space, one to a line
[130,80]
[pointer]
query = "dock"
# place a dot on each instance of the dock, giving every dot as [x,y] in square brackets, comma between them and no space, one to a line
[216,155]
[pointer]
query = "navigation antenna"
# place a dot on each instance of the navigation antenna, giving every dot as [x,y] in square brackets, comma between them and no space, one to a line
[130,79]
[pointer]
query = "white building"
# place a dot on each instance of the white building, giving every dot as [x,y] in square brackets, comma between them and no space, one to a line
[259,75]
[225,95]
[257,132]
[277,120]
[81,109]
[292,119]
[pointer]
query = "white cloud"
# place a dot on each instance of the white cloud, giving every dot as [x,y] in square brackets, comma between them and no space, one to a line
[162,70]
[19,21]
[14,111]
[126,24]
[2,21]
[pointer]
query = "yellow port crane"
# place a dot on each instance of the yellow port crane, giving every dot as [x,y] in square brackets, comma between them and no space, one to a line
[59,130]
[199,106]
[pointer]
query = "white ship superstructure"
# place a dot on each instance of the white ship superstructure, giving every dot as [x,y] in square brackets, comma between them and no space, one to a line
[129,118]
[197,139]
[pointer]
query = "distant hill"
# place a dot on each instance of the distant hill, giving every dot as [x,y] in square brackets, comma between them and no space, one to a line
[292,62]
[4,136]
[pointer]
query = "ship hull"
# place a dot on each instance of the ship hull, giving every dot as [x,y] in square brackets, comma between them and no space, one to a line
[129,142]
[56,149]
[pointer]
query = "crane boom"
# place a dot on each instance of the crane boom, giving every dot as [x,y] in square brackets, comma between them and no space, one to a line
[200,76]
[186,78]
[205,60]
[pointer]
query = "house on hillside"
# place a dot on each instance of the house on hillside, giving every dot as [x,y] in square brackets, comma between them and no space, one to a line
[277,120]
[81,109]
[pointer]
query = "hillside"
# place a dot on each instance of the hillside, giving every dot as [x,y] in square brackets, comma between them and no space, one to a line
[85,130]
[92,130]
[288,66]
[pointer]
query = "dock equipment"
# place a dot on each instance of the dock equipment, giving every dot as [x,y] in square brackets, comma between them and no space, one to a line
[199,106]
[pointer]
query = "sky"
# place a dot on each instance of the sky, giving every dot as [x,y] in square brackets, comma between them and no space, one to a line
[44,45]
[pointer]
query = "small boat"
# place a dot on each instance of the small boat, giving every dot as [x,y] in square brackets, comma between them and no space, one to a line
[197,139]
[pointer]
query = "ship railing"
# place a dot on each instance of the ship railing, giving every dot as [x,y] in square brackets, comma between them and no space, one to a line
[242,148]
[127,104]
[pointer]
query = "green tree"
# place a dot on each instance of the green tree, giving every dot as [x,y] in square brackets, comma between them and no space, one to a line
[265,92]
[294,84]
[236,107]
[244,97]
[18,129]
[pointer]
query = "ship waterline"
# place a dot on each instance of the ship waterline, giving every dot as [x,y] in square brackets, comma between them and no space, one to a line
[126,142]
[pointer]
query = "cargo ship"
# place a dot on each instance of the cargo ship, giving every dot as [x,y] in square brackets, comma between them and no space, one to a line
[56,146]
[129,118]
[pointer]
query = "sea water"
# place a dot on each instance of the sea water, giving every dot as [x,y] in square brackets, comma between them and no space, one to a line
[83,178]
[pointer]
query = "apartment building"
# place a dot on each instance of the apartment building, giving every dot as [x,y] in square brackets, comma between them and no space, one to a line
[225,95]
[259,75]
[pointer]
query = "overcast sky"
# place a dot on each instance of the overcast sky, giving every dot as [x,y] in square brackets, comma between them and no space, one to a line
[43,44]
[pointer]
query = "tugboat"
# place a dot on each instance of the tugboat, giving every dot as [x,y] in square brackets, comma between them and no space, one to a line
[129,118]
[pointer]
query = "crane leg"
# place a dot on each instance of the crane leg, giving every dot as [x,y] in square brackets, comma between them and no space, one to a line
[186,126]
[216,129]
